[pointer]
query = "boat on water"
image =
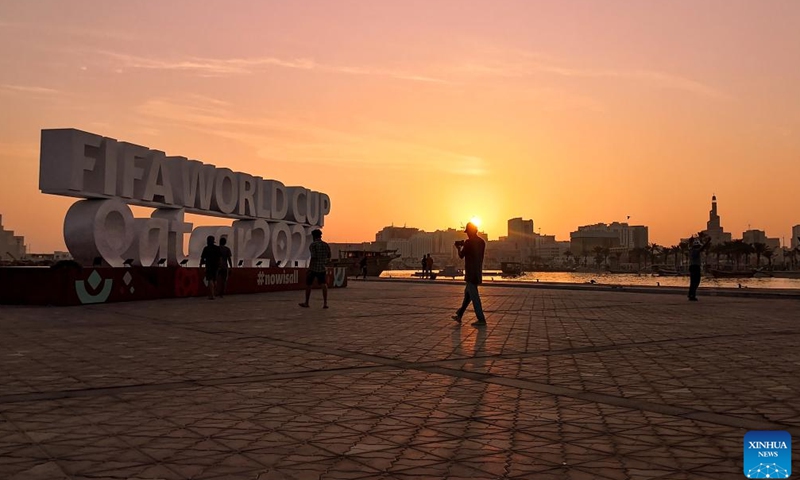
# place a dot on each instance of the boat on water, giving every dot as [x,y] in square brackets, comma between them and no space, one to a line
[451,271]
[732,273]
[377,261]
[786,274]
[511,268]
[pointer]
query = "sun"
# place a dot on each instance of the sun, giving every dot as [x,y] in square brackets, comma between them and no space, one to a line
[475,221]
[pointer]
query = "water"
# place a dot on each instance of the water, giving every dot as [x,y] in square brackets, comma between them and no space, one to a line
[625,279]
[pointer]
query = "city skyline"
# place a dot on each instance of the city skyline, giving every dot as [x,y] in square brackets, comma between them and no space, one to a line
[569,114]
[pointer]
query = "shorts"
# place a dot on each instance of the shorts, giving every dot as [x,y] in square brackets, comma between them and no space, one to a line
[223,274]
[310,276]
[211,273]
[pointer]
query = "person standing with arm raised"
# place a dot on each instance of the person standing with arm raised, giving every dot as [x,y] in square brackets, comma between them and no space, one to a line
[472,250]
[696,266]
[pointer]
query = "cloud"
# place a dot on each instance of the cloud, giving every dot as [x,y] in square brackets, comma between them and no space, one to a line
[524,64]
[28,89]
[295,140]
[245,66]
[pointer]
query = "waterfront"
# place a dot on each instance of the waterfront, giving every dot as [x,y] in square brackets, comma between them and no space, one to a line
[605,278]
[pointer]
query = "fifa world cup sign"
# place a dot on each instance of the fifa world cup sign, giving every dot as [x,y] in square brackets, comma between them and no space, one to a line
[271,221]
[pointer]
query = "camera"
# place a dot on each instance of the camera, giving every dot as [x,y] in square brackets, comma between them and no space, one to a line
[459,243]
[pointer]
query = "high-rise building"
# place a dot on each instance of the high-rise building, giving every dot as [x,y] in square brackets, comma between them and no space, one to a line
[714,229]
[12,247]
[519,229]
[795,236]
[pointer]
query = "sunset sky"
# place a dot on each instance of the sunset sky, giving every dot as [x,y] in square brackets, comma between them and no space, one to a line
[426,113]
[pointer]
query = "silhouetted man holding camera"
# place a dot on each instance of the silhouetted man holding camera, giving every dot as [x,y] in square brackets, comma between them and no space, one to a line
[471,250]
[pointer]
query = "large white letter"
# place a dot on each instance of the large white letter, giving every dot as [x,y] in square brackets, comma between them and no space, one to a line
[65,160]
[132,159]
[226,191]
[158,171]
[251,240]
[280,200]
[177,228]
[99,228]
[247,191]
[150,241]
[324,208]
[298,206]
[280,243]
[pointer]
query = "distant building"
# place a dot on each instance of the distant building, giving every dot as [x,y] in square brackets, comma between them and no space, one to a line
[12,247]
[396,233]
[714,229]
[795,236]
[48,257]
[588,237]
[421,244]
[630,236]
[614,235]
[444,242]
[520,230]
[412,243]
[759,236]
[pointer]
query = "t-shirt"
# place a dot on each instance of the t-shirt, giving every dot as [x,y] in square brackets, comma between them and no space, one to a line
[473,260]
[694,256]
[210,256]
[320,254]
[225,255]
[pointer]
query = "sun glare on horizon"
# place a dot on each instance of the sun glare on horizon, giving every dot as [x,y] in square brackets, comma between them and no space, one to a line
[476,221]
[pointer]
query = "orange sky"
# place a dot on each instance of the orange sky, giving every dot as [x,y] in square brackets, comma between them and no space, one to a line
[426,113]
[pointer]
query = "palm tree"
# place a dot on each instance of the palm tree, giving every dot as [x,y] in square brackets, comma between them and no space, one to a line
[652,251]
[768,253]
[568,254]
[717,249]
[747,249]
[683,249]
[636,255]
[617,256]
[598,255]
[730,250]
[739,248]
[666,251]
[792,254]
[758,249]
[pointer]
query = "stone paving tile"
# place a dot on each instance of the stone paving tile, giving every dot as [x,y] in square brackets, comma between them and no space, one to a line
[561,385]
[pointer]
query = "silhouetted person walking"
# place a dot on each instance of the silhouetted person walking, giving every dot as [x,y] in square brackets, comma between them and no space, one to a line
[696,267]
[320,255]
[429,265]
[210,258]
[226,261]
[363,266]
[424,265]
[471,250]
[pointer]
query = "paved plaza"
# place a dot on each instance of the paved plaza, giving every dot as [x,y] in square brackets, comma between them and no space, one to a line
[562,384]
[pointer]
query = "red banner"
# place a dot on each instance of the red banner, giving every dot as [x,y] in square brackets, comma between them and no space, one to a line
[80,286]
